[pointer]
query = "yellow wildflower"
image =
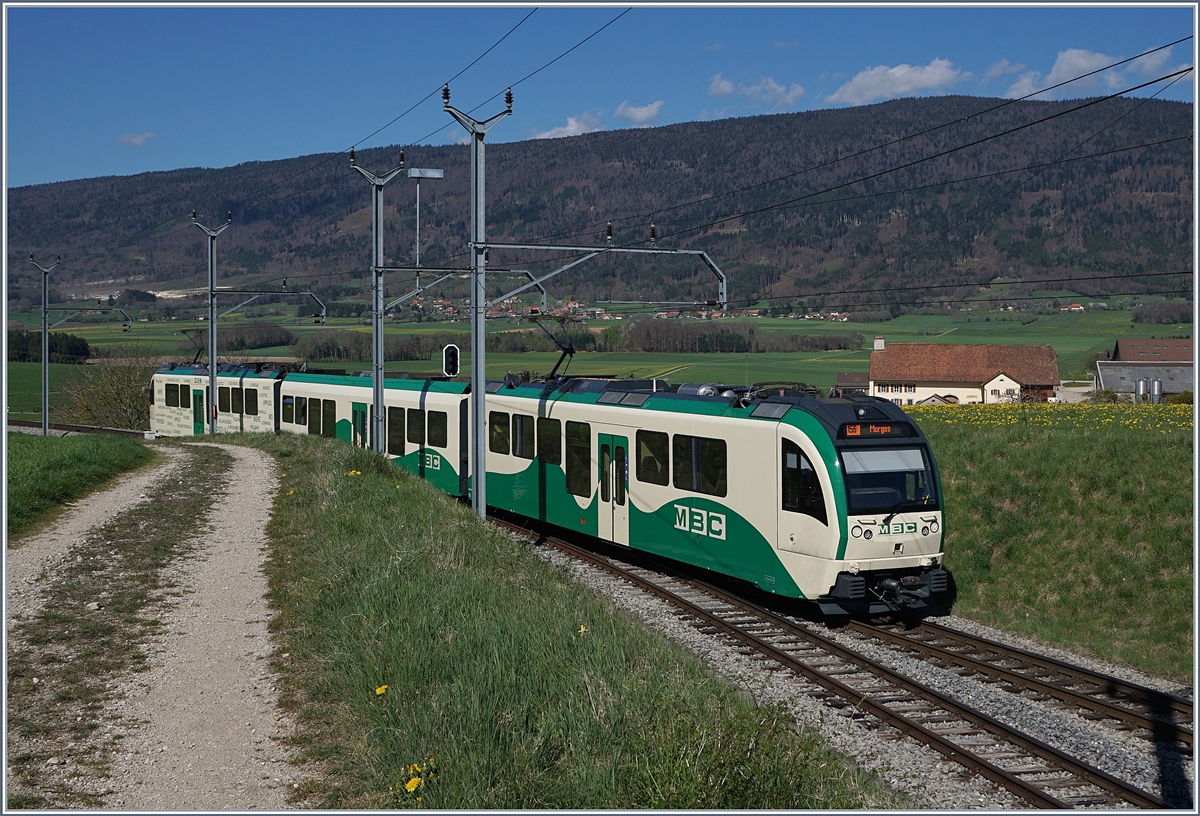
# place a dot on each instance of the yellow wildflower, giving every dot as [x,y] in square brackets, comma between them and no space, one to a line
[412,784]
[381,689]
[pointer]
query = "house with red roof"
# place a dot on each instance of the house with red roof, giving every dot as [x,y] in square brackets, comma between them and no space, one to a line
[946,373]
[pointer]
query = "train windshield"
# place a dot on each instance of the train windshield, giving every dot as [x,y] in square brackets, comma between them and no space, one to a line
[888,481]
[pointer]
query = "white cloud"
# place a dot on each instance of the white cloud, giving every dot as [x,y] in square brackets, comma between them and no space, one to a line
[136,139]
[1002,68]
[772,93]
[1075,62]
[458,136]
[766,91]
[720,86]
[643,116]
[1027,84]
[881,82]
[584,123]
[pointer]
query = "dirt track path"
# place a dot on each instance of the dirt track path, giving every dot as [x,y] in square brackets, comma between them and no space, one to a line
[199,730]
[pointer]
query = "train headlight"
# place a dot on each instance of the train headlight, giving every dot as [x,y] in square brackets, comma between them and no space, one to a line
[856,531]
[933,528]
[868,535]
[925,530]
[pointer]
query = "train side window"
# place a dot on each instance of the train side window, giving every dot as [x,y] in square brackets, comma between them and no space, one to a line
[288,411]
[314,417]
[653,454]
[605,485]
[579,458]
[522,431]
[701,464]
[801,487]
[172,395]
[301,410]
[416,426]
[329,418]
[235,400]
[498,432]
[185,396]
[619,468]
[223,399]
[439,435]
[549,441]
[251,397]
[395,430]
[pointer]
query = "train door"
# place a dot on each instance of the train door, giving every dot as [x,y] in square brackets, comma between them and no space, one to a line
[197,411]
[806,523]
[358,423]
[613,521]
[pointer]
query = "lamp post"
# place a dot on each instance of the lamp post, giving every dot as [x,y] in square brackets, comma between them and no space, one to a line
[419,173]
[45,340]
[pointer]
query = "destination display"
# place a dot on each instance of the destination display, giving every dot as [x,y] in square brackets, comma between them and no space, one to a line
[866,430]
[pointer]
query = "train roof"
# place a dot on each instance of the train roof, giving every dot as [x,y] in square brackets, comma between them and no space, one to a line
[234,370]
[765,402]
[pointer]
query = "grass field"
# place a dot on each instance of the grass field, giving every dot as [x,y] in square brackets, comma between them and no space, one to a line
[420,639]
[44,473]
[1073,524]
[25,388]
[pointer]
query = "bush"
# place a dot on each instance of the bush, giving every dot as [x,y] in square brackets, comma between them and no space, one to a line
[1179,399]
[115,391]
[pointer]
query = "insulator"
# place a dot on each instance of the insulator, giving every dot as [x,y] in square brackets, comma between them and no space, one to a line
[352,156]
[229,216]
[653,231]
[446,94]
[508,98]
[57,258]
[401,158]
[193,215]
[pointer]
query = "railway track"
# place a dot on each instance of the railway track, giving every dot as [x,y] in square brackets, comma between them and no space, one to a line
[1037,773]
[58,426]
[1151,714]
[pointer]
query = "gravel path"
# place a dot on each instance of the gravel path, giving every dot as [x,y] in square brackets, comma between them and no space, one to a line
[200,729]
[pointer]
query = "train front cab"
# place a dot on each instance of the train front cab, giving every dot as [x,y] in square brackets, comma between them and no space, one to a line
[860,511]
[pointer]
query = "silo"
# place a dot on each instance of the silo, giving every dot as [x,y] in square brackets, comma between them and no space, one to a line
[1143,387]
[1156,391]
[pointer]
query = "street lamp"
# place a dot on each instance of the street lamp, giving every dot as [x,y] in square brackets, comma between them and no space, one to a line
[419,173]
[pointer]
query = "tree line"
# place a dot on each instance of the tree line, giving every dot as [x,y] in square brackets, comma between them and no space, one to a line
[26,347]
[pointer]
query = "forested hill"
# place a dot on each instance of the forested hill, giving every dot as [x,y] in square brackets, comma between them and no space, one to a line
[839,201]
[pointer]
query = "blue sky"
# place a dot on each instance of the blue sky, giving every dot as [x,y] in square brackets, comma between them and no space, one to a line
[96,91]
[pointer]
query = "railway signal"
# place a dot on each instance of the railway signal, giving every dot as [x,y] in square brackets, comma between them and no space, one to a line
[450,360]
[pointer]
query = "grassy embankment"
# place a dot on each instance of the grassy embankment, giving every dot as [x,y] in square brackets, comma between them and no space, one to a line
[1073,524]
[414,632]
[44,473]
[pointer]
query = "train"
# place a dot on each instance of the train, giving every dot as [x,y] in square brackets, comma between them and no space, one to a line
[830,500]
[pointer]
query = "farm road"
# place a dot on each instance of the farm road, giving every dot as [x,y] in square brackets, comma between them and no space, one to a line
[200,729]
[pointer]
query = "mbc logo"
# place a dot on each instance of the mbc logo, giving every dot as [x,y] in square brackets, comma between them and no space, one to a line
[700,522]
[433,461]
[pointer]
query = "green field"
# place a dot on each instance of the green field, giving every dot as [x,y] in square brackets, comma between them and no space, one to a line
[1072,524]
[1073,335]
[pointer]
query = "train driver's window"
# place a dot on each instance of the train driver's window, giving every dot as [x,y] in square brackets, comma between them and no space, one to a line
[549,441]
[173,395]
[289,409]
[498,432]
[522,431]
[801,487]
[653,455]
[579,458]
[395,430]
[701,464]
[438,429]
[301,410]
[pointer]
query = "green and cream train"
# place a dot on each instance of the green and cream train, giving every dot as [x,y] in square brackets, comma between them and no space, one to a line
[835,501]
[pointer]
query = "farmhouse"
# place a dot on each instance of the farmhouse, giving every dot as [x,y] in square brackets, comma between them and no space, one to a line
[1169,349]
[941,373]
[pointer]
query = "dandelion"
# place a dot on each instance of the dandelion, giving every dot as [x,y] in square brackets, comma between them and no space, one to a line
[381,689]
[354,473]
[582,630]
[291,492]
[413,783]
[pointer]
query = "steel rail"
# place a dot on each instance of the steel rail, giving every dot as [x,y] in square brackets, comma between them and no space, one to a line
[58,426]
[1006,779]
[1161,728]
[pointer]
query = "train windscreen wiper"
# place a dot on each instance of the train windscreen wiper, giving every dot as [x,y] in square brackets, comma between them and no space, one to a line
[905,505]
